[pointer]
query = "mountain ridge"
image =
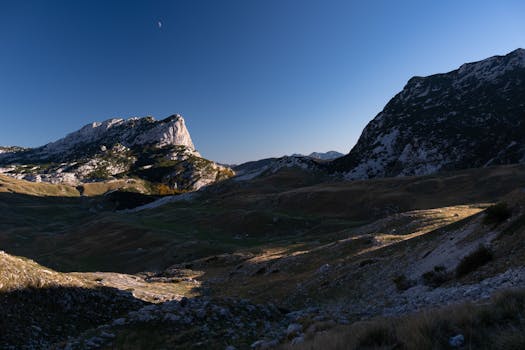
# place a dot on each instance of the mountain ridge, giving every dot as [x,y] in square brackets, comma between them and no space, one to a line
[467,118]
[159,151]
[328,155]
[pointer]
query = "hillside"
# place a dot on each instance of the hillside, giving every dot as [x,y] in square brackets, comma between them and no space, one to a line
[239,246]
[41,307]
[269,166]
[468,118]
[17,273]
[46,309]
[330,155]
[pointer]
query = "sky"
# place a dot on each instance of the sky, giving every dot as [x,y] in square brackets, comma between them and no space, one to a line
[252,78]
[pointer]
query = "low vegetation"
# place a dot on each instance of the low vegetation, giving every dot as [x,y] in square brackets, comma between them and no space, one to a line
[496,214]
[499,324]
[19,273]
[436,277]
[474,260]
[261,241]
[402,282]
[11,185]
[43,189]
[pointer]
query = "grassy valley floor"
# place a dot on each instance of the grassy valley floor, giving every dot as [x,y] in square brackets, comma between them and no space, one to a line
[266,262]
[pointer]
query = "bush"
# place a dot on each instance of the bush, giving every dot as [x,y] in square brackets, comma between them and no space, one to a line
[99,174]
[436,277]
[496,214]
[378,335]
[164,190]
[471,262]
[497,324]
[402,282]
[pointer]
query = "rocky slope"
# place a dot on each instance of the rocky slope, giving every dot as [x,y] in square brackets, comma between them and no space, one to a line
[267,166]
[42,306]
[10,149]
[157,151]
[470,117]
[326,155]
[330,155]
[46,309]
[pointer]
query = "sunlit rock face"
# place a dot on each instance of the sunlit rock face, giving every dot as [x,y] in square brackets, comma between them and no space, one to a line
[468,118]
[131,132]
[159,151]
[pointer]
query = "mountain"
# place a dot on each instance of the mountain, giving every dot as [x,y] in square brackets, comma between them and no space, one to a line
[310,163]
[330,155]
[467,118]
[267,166]
[159,151]
[325,155]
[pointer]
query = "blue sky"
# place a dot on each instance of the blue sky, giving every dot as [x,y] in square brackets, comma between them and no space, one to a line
[252,78]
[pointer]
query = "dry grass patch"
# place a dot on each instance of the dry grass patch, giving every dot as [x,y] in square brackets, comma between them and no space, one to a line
[150,290]
[20,273]
[99,188]
[495,325]
[11,185]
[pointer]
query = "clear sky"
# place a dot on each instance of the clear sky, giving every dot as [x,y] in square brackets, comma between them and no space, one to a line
[253,78]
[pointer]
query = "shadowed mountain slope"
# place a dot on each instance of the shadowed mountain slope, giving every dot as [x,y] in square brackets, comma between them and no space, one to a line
[469,118]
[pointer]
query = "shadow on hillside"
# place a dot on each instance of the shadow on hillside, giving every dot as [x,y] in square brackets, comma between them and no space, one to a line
[114,200]
[85,233]
[39,317]
[315,272]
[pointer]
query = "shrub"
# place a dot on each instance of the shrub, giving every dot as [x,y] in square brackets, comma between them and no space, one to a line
[497,324]
[99,174]
[377,335]
[496,214]
[471,262]
[402,282]
[164,190]
[80,189]
[436,277]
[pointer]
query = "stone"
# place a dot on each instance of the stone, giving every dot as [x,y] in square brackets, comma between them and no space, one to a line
[324,269]
[264,344]
[293,329]
[119,322]
[298,340]
[457,341]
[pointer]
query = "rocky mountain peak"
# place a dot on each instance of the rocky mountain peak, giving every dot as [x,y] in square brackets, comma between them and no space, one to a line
[469,117]
[130,132]
[158,151]
[491,68]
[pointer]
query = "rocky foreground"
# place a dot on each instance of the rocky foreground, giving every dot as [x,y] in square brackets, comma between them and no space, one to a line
[108,319]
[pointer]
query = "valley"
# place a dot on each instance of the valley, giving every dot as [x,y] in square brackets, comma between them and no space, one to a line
[120,235]
[273,239]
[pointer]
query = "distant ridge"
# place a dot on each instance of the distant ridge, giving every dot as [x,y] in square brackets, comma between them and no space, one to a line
[326,155]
